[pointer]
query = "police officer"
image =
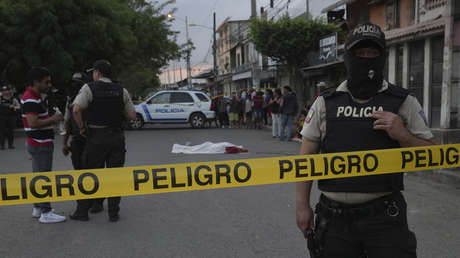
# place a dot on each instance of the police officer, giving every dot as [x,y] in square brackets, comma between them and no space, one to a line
[77,143]
[9,107]
[106,104]
[361,216]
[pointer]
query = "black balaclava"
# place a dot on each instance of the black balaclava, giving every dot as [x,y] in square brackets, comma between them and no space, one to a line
[365,75]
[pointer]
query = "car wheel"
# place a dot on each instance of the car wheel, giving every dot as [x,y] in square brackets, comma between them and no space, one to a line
[197,120]
[137,123]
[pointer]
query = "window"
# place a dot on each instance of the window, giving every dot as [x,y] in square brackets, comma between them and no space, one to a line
[202,97]
[412,10]
[392,16]
[160,98]
[181,97]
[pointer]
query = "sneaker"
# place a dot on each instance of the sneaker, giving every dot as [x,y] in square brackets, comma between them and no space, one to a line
[51,217]
[37,212]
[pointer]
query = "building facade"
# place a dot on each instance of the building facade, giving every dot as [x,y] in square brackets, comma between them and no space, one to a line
[240,66]
[423,40]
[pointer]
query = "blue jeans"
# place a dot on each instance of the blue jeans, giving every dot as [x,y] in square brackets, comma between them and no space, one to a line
[42,161]
[286,121]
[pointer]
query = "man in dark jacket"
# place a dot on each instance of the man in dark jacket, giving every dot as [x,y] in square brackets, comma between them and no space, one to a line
[289,108]
[9,107]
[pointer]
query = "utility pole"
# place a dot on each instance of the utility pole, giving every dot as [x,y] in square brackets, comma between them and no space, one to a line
[169,78]
[253,9]
[174,75]
[255,63]
[308,10]
[189,50]
[447,66]
[214,49]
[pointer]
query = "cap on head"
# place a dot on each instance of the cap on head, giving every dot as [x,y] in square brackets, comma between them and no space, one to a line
[366,32]
[103,66]
[321,84]
[80,77]
[287,88]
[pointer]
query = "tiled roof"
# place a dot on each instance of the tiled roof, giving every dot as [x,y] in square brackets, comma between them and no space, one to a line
[414,30]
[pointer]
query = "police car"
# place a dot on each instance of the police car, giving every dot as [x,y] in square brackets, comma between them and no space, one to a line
[192,107]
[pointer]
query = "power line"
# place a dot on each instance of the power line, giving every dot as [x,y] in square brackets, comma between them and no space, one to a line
[212,10]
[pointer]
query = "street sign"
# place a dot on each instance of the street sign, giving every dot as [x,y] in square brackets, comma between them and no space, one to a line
[328,48]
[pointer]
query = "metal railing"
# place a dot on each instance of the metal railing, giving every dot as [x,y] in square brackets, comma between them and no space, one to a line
[433,4]
[241,68]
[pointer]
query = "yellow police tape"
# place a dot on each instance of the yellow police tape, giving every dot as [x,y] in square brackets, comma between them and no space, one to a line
[82,184]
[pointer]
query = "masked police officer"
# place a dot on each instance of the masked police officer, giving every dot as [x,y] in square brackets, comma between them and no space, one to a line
[106,105]
[9,107]
[361,216]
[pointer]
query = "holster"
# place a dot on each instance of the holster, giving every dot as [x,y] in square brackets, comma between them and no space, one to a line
[315,238]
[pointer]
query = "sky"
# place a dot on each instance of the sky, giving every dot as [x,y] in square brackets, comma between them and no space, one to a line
[200,12]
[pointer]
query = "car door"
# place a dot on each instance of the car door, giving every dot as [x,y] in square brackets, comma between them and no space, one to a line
[181,106]
[205,101]
[158,107]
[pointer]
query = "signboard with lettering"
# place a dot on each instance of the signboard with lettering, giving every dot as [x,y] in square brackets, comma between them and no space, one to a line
[328,48]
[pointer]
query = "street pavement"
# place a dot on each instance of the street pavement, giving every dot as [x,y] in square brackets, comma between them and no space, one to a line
[254,221]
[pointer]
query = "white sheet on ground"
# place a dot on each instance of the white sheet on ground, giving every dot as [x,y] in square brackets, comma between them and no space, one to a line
[204,148]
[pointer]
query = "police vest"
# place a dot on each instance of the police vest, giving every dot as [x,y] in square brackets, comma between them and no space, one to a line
[349,128]
[107,107]
[5,110]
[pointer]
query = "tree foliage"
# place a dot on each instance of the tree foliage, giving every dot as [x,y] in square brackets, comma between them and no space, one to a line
[68,36]
[288,41]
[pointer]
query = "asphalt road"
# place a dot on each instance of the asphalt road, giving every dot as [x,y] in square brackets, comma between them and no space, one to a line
[240,222]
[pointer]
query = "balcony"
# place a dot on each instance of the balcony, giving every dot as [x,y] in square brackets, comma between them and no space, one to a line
[242,68]
[433,4]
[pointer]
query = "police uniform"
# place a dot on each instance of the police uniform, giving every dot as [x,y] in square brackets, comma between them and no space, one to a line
[362,213]
[8,113]
[77,142]
[105,104]
[364,216]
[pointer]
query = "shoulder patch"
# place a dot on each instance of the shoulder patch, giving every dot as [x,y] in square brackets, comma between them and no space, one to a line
[422,114]
[310,115]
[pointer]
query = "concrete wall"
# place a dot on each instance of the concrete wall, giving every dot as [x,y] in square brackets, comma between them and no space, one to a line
[427,14]
[356,13]
[377,15]
[223,50]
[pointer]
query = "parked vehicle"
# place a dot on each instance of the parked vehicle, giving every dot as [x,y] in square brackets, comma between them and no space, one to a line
[174,107]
